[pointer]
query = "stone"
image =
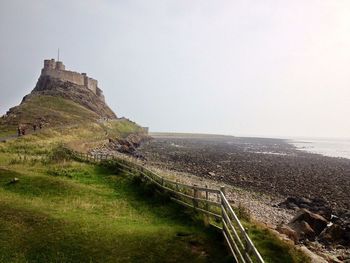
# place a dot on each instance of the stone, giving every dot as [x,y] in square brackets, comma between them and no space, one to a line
[317,222]
[332,233]
[289,232]
[292,206]
[314,258]
[303,230]
[304,200]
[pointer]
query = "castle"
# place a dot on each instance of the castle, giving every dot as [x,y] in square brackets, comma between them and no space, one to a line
[56,69]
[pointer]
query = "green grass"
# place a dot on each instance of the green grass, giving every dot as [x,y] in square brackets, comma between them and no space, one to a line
[58,112]
[51,110]
[64,121]
[5,133]
[271,248]
[122,128]
[66,211]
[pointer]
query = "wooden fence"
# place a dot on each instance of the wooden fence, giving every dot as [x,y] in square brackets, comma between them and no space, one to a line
[211,202]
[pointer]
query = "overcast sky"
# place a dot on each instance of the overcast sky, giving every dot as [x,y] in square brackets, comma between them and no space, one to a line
[249,67]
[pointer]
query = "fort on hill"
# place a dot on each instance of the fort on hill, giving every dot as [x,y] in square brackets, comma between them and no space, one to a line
[57,70]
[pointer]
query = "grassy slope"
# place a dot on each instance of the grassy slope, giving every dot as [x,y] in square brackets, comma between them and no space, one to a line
[84,128]
[55,110]
[64,211]
[73,212]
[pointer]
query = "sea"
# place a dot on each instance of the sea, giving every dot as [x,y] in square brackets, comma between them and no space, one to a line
[326,147]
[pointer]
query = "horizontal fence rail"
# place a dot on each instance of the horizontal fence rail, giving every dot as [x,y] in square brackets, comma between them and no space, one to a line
[211,202]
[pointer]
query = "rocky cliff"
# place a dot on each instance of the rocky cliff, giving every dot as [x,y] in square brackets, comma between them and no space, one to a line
[56,102]
[79,94]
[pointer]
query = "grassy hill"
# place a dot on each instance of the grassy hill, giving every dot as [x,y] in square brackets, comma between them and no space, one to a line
[62,210]
[65,120]
[52,111]
[53,103]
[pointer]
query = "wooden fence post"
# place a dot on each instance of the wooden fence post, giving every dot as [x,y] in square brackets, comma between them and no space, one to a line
[206,216]
[223,190]
[206,198]
[195,195]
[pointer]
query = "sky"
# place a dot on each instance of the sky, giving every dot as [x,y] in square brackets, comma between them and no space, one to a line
[274,68]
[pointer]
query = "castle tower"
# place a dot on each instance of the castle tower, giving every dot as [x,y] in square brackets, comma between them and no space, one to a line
[60,66]
[57,70]
[49,64]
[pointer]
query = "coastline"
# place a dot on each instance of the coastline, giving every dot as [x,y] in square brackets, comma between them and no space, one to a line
[330,147]
[270,166]
[260,174]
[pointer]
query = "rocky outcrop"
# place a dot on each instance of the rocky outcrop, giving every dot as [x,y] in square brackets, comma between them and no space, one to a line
[128,145]
[47,85]
[316,205]
[338,232]
[315,220]
[308,225]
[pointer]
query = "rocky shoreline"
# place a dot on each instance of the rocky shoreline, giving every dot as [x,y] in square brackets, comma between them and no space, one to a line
[270,178]
[270,166]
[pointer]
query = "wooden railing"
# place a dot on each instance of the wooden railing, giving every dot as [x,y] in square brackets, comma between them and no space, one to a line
[211,202]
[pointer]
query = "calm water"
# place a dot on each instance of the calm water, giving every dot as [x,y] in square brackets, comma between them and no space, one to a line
[327,147]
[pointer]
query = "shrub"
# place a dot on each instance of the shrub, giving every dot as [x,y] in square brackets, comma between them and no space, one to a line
[60,154]
[58,171]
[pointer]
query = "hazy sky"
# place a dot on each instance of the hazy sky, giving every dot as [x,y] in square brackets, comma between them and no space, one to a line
[249,67]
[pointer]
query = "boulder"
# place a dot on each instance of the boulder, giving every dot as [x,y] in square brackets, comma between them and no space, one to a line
[305,225]
[303,230]
[332,234]
[316,205]
[317,222]
[338,233]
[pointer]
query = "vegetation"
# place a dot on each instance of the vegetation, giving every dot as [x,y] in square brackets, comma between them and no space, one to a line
[122,128]
[269,245]
[65,211]
[61,210]
[52,111]
[271,248]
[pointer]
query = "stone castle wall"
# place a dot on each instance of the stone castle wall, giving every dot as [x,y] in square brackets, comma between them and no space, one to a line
[90,83]
[57,70]
[65,75]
